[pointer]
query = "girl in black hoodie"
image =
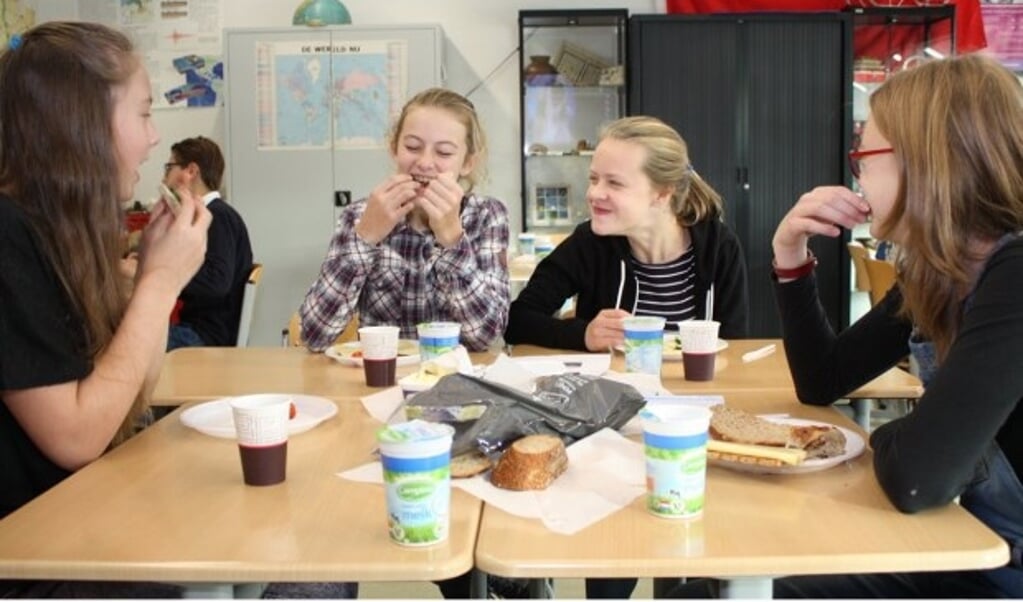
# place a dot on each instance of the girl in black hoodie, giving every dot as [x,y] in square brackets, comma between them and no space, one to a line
[654,245]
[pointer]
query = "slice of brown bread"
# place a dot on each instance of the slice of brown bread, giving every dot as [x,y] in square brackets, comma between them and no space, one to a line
[731,424]
[469,464]
[532,462]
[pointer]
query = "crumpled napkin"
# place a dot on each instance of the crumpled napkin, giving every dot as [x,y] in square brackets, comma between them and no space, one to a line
[606,472]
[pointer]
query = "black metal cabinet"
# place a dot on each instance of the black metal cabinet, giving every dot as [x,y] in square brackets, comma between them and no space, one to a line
[764,102]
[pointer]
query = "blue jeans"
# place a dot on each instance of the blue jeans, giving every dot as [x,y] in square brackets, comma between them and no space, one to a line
[182,335]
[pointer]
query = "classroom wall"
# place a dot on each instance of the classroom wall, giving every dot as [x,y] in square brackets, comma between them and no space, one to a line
[480,35]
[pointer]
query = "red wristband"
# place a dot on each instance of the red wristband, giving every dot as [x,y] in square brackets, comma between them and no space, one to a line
[799,271]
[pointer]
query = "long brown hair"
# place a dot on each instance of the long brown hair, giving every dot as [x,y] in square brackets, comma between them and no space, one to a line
[667,165]
[956,126]
[58,162]
[463,110]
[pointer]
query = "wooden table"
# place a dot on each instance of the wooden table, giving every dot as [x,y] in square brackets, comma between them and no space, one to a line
[754,527]
[768,374]
[169,505]
[204,373]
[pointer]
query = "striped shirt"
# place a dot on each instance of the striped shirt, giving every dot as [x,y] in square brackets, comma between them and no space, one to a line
[666,289]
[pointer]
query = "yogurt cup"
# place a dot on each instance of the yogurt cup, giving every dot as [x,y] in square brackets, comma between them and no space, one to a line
[416,460]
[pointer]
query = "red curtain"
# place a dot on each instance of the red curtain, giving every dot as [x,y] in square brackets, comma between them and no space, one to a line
[873,41]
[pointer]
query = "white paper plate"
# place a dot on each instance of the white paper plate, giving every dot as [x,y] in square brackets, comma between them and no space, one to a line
[594,364]
[215,418]
[854,446]
[349,353]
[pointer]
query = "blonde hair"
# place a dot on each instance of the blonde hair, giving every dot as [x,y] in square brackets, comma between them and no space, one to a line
[461,109]
[956,126]
[668,166]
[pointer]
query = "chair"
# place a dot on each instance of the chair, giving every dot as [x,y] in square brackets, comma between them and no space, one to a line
[248,304]
[859,254]
[293,334]
[882,278]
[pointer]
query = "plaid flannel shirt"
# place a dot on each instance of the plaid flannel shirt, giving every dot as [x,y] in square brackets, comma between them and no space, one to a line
[409,278]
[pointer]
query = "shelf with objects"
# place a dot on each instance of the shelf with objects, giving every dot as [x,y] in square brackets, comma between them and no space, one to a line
[572,83]
[887,40]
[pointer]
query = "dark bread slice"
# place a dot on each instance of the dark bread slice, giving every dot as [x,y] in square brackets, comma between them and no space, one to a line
[469,464]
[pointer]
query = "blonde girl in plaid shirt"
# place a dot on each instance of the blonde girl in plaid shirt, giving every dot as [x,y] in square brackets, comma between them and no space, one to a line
[423,246]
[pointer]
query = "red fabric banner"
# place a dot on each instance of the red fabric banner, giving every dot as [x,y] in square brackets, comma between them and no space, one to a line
[872,41]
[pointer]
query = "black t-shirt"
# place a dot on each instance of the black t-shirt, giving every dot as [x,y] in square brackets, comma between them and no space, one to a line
[41,343]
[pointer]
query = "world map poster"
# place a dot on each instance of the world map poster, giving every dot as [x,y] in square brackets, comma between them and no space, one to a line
[318,95]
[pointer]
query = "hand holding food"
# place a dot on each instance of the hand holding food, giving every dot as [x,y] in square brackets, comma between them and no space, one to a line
[387,205]
[441,199]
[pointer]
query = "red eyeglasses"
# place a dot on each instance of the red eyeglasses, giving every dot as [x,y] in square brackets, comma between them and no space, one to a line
[855,156]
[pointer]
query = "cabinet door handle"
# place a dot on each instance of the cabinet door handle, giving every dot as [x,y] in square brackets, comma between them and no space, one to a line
[745,178]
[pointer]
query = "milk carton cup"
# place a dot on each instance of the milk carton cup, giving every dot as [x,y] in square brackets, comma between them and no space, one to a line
[675,445]
[644,344]
[416,460]
[437,338]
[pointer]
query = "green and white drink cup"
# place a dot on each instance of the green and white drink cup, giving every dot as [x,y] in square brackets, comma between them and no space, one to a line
[675,445]
[416,460]
[644,344]
[437,338]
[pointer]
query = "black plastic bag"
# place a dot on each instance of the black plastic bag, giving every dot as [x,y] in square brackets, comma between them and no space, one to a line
[489,417]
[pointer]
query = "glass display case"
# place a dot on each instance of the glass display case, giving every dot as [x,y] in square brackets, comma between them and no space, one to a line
[572,83]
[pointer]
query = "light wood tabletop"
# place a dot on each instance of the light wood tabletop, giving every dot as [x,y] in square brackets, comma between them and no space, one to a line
[170,505]
[754,527]
[771,373]
[204,373]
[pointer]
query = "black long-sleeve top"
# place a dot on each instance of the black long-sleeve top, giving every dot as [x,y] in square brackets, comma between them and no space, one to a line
[595,268]
[212,299]
[929,456]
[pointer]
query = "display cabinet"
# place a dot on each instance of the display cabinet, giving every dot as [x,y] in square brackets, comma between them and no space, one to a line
[572,83]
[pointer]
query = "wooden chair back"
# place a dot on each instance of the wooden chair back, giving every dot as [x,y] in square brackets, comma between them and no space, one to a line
[294,332]
[248,305]
[882,278]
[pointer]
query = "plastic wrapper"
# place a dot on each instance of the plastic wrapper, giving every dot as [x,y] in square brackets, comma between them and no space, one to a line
[569,405]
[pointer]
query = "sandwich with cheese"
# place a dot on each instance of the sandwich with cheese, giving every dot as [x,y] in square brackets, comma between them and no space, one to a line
[738,436]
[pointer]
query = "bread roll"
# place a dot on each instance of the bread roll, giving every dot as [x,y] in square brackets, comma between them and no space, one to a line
[469,464]
[532,462]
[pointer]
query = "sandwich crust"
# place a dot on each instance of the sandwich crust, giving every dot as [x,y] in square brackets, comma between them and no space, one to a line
[731,424]
[532,462]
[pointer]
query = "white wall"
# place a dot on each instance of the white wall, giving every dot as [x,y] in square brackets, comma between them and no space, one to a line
[480,35]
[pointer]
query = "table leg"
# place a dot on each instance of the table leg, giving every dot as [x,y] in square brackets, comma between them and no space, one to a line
[664,586]
[541,589]
[761,588]
[478,585]
[207,590]
[861,412]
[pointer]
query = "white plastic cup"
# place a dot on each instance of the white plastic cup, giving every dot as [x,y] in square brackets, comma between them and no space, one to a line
[379,354]
[699,341]
[416,460]
[261,427]
[437,338]
[644,344]
[675,444]
[527,243]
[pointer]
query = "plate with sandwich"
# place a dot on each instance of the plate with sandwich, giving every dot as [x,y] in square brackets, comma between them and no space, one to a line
[777,445]
[350,354]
